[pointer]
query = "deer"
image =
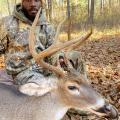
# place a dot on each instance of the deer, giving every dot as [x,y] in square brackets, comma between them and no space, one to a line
[67,89]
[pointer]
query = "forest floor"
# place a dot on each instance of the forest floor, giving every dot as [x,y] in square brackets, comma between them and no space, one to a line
[102,58]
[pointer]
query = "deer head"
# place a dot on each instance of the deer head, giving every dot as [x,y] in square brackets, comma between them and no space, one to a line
[72,88]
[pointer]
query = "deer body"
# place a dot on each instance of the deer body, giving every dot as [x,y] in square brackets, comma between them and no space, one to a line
[17,106]
[69,90]
[67,93]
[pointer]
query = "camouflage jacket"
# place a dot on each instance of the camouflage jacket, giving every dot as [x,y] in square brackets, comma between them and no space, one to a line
[14,40]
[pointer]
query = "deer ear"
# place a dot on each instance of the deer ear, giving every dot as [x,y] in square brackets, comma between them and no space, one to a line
[32,89]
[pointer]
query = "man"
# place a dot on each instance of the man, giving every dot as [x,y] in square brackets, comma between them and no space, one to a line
[14,44]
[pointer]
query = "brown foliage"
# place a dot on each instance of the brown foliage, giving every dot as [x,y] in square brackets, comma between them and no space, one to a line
[103,66]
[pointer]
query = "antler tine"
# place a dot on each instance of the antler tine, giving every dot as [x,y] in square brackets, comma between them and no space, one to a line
[31,36]
[40,61]
[59,46]
[53,48]
[81,41]
[49,51]
[58,29]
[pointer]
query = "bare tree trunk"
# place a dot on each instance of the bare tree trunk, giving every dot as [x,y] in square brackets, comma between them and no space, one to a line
[110,3]
[91,11]
[47,10]
[15,2]
[69,19]
[50,9]
[119,2]
[75,7]
[102,6]
[62,5]
[88,8]
[8,7]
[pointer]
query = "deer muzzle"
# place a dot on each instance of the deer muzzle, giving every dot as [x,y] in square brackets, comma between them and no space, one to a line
[108,111]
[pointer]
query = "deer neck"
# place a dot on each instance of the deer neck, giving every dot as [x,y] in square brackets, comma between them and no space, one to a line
[59,112]
[51,105]
[60,108]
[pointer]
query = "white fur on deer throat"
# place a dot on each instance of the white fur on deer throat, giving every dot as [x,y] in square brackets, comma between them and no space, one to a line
[60,113]
[59,108]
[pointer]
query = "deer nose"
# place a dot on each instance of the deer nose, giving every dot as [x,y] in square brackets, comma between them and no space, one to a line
[109,111]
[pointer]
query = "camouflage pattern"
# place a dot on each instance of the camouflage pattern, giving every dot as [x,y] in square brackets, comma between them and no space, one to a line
[14,44]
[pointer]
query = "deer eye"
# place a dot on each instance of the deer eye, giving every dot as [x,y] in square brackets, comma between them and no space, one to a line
[72,88]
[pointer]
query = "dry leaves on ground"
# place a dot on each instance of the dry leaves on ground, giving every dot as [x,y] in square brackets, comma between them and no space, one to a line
[103,67]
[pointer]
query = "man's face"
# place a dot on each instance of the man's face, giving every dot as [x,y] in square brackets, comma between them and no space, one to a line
[31,7]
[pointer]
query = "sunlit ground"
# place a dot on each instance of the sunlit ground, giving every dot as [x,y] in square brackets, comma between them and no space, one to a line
[97,34]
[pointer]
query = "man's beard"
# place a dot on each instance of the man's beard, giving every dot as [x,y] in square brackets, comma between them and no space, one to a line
[30,17]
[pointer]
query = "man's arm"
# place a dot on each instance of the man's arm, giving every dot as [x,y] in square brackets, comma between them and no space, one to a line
[3,37]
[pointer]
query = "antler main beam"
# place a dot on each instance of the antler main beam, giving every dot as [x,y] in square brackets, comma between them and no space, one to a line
[57,46]
[81,40]
[35,55]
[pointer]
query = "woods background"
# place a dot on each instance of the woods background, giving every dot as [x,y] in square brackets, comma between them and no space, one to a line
[101,53]
[102,14]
